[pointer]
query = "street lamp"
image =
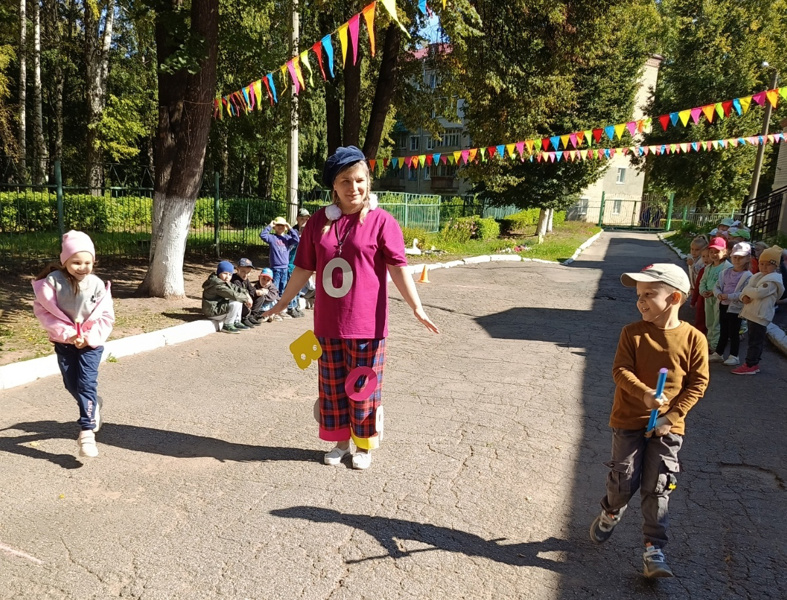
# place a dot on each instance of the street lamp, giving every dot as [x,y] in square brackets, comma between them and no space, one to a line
[755,180]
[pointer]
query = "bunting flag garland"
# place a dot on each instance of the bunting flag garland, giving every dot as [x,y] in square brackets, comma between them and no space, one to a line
[517,150]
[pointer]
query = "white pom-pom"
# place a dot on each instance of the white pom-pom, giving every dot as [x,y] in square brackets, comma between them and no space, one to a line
[372,201]
[333,212]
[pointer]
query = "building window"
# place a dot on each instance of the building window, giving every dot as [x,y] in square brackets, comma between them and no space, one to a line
[430,143]
[401,172]
[403,141]
[428,173]
[451,138]
[414,142]
[617,206]
[582,207]
[412,174]
[621,176]
[442,170]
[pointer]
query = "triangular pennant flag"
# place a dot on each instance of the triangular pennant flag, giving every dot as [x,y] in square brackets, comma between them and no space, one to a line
[529,144]
[770,138]
[573,139]
[745,103]
[664,120]
[759,98]
[483,153]
[572,154]
[395,163]
[673,117]
[625,151]
[783,92]
[385,163]
[559,155]
[720,110]
[611,153]
[709,110]
[353,29]
[390,6]
[295,83]
[589,136]
[545,144]
[597,135]
[645,150]
[580,137]
[501,150]
[632,127]
[715,144]
[619,129]
[538,157]
[555,141]
[695,114]
[773,97]
[429,160]
[328,47]
[457,155]
[472,153]
[284,70]
[422,6]
[610,131]
[317,49]
[778,137]
[672,148]
[247,99]
[724,143]
[268,89]
[564,140]
[510,148]
[271,86]
[606,152]
[491,149]
[446,159]
[736,104]
[695,146]
[258,93]
[520,148]
[372,163]
[684,147]
[435,158]
[583,154]
[551,156]
[422,159]
[684,116]
[343,42]
[305,62]
[297,64]
[368,15]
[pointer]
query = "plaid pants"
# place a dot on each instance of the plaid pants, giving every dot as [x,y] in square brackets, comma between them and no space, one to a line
[342,417]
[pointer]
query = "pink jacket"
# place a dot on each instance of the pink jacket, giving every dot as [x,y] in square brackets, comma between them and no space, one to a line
[95,329]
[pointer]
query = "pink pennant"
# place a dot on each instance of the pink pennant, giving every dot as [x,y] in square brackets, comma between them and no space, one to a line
[465,155]
[632,127]
[645,150]
[444,159]
[520,147]
[295,83]
[759,98]
[353,27]
[695,114]
[573,139]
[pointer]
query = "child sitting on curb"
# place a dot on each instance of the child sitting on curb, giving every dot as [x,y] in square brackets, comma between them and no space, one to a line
[728,292]
[759,301]
[222,301]
[643,459]
[268,295]
[242,281]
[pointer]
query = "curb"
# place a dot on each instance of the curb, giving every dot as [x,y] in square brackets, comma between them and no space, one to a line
[775,333]
[24,372]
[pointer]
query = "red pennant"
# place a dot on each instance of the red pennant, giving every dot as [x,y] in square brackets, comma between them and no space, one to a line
[385,163]
[597,135]
[372,162]
[429,160]
[268,87]
[545,144]
[317,49]
[492,151]
[664,120]
[727,107]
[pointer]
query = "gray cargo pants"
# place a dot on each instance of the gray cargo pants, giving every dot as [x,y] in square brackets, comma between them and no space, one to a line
[647,464]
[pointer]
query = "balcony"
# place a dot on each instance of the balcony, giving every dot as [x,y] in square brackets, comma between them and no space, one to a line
[444,184]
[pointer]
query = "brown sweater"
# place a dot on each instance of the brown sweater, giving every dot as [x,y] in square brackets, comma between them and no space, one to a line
[643,349]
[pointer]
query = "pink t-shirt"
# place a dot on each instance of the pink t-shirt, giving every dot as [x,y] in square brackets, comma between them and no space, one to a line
[351,296]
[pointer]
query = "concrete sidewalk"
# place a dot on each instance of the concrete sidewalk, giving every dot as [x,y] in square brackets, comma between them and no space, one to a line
[209,483]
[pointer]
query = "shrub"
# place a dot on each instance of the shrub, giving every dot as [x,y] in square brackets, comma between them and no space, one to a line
[517,222]
[411,233]
[459,230]
[487,229]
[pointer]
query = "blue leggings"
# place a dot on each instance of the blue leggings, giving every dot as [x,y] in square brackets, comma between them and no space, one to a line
[79,367]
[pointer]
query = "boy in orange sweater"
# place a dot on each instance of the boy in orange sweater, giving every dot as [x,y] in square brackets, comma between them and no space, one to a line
[648,460]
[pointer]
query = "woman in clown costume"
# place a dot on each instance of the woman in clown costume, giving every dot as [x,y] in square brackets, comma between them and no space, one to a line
[352,246]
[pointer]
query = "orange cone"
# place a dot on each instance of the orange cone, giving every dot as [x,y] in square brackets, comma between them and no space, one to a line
[424,275]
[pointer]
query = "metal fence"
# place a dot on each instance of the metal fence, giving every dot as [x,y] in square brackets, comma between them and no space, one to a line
[647,213]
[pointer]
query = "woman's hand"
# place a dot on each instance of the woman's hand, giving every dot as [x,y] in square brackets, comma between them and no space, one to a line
[421,316]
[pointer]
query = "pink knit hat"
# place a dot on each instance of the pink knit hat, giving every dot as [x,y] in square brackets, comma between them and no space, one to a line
[76,241]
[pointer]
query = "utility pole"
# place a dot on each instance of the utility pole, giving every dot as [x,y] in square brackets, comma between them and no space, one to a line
[292,148]
[755,180]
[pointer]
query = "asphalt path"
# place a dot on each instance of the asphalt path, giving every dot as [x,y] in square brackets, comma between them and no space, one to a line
[210,482]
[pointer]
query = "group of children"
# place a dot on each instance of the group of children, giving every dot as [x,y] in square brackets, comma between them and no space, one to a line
[236,303]
[731,298]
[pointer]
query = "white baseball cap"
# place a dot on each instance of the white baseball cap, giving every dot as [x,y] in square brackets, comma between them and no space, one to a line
[667,273]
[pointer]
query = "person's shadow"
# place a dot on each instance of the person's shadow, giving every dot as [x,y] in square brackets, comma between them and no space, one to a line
[143,439]
[387,531]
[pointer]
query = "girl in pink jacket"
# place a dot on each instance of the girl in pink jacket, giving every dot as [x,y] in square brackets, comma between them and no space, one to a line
[75,308]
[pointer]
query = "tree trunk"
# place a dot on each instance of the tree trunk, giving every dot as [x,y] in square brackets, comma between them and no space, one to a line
[543,218]
[52,19]
[383,94]
[265,177]
[22,140]
[352,100]
[97,45]
[550,218]
[39,169]
[333,116]
[185,113]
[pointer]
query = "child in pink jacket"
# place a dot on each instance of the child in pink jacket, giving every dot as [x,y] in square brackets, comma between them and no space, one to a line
[75,308]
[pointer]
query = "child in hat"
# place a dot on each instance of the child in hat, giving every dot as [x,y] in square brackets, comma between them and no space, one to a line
[643,459]
[728,293]
[717,252]
[723,228]
[222,301]
[75,308]
[267,293]
[241,280]
[759,305]
[280,238]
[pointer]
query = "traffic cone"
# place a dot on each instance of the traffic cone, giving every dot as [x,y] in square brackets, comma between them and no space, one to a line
[424,275]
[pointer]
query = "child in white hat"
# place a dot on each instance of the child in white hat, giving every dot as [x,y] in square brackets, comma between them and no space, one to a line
[75,308]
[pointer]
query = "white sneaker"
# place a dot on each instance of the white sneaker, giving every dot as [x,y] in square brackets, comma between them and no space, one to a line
[335,456]
[732,361]
[97,414]
[87,444]
[362,460]
[715,357]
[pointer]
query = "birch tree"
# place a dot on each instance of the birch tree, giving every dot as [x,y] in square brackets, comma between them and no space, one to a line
[22,133]
[187,47]
[39,144]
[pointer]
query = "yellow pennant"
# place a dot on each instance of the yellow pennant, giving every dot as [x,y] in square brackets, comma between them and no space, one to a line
[305,62]
[619,129]
[564,141]
[258,93]
[390,6]
[510,148]
[745,103]
[457,156]
[684,116]
[343,41]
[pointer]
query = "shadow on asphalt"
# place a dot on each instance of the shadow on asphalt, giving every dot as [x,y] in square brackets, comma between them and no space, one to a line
[145,439]
[389,531]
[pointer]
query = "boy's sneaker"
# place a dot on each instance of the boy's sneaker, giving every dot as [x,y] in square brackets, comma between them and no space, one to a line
[732,361]
[87,444]
[240,326]
[230,329]
[295,313]
[654,563]
[285,315]
[715,357]
[603,526]
[275,318]
[248,323]
[97,414]
[253,320]
[362,460]
[745,369]
[335,456]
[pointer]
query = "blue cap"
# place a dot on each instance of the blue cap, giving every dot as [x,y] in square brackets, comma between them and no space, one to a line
[225,266]
[267,273]
[341,159]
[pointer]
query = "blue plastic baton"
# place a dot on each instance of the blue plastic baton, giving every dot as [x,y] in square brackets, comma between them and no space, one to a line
[654,414]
